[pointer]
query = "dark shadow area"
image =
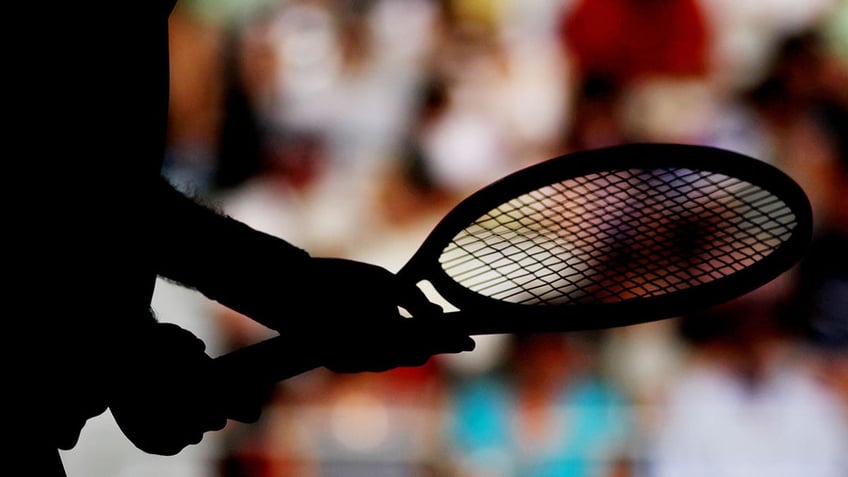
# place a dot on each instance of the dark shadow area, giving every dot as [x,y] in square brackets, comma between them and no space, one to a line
[104,216]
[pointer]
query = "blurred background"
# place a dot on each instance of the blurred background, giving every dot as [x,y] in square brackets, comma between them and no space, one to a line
[350,127]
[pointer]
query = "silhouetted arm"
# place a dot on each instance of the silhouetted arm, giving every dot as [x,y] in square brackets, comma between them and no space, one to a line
[226,260]
[341,314]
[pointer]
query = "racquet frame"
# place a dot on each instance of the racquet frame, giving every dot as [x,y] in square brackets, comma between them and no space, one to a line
[480,314]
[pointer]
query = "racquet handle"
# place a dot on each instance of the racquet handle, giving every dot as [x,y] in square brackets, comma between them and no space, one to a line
[254,370]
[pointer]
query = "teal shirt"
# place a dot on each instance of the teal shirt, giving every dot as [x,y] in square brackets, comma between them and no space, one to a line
[588,435]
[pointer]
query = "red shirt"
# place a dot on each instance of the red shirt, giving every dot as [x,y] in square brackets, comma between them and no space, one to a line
[628,39]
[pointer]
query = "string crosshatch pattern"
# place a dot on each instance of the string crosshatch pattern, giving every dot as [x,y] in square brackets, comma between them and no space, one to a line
[612,237]
[617,235]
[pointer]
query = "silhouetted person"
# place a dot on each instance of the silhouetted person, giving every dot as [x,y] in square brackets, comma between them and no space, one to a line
[92,226]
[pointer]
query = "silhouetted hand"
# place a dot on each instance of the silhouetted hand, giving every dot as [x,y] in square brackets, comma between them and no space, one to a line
[71,413]
[172,396]
[352,323]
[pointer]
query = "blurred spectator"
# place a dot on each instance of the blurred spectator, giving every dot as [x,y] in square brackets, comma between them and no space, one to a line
[547,414]
[803,120]
[822,305]
[626,40]
[195,96]
[468,122]
[749,403]
[821,299]
[746,35]
[650,61]
[365,425]
[597,121]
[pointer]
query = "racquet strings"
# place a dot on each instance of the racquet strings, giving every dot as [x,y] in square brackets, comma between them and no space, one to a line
[611,236]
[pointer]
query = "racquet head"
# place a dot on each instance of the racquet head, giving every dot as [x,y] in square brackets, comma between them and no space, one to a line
[614,237]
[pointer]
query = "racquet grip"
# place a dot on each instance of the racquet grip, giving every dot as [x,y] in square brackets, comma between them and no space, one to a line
[248,374]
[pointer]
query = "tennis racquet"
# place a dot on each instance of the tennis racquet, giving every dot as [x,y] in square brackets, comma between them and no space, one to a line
[611,237]
[614,237]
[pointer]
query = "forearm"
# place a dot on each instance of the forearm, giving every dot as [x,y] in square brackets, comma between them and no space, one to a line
[224,259]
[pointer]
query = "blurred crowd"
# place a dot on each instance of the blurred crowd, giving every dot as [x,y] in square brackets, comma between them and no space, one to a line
[350,127]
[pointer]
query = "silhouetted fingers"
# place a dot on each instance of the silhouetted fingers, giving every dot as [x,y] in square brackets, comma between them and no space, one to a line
[442,336]
[246,403]
[431,324]
[400,343]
